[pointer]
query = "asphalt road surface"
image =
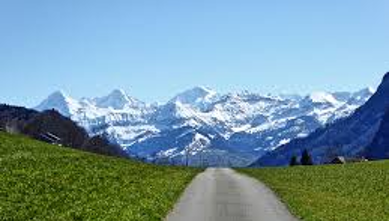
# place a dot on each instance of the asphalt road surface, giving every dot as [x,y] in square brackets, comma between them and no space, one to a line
[221,194]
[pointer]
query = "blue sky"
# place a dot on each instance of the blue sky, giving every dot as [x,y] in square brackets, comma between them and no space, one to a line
[154,49]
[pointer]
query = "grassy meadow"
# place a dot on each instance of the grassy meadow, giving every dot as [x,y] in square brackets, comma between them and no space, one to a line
[39,181]
[358,191]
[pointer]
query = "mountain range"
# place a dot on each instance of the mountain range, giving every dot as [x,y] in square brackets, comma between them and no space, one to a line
[364,134]
[202,127]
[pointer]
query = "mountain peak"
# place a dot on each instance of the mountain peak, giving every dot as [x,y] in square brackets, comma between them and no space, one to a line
[58,101]
[60,94]
[117,99]
[197,96]
[199,91]
[386,77]
[366,91]
[118,92]
[322,97]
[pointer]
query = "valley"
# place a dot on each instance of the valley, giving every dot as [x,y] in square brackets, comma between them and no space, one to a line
[199,110]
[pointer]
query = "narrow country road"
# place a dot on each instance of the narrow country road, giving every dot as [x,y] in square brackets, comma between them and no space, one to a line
[223,194]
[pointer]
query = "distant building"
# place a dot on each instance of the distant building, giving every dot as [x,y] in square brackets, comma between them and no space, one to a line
[343,160]
[50,138]
[11,128]
[357,160]
[338,160]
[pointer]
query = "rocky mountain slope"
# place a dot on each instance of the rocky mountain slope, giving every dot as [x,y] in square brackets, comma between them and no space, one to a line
[363,134]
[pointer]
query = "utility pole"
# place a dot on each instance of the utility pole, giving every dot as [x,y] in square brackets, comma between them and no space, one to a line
[187,156]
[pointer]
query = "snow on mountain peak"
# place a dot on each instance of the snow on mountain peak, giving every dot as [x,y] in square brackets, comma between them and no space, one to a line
[361,96]
[203,90]
[322,97]
[199,97]
[58,101]
[371,89]
[234,120]
[117,99]
[250,96]
[118,93]
[366,91]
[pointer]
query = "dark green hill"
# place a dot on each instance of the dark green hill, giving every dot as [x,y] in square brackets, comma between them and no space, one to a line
[49,123]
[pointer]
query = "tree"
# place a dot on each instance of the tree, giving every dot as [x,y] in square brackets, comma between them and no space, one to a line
[294,161]
[101,145]
[306,159]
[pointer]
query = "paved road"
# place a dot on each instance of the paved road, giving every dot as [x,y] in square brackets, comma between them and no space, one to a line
[221,194]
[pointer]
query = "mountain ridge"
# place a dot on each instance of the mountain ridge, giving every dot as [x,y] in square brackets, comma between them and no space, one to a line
[225,122]
[352,136]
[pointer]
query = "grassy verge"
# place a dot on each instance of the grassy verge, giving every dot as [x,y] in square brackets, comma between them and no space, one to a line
[334,192]
[44,182]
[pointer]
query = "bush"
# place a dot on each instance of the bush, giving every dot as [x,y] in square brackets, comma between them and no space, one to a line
[100,144]
[306,159]
[294,161]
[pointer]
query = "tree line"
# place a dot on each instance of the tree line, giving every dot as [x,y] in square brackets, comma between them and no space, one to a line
[305,160]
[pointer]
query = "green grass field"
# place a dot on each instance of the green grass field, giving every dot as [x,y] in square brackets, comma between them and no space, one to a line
[334,192]
[44,182]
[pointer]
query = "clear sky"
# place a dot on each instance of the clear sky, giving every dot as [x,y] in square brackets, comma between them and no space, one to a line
[154,49]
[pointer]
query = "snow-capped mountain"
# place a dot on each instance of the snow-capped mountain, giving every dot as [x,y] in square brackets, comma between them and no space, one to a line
[200,126]
[117,100]
[364,134]
[60,102]
[199,97]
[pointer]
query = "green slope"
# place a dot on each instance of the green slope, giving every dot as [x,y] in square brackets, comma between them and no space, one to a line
[44,182]
[334,192]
